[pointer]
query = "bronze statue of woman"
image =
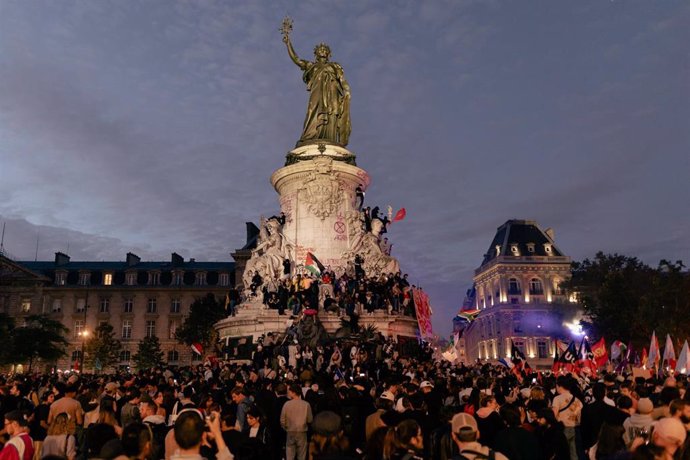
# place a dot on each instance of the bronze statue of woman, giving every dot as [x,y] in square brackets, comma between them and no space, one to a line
[328,111]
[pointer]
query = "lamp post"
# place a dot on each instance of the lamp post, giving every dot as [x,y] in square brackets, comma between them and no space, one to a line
[84,334]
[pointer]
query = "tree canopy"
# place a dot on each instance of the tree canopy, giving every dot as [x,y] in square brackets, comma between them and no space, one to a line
[198,324]
[41,338]
[103,349]
[627,299]
[149,353]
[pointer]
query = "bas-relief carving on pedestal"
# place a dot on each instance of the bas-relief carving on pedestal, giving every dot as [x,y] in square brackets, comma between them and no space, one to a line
[367,244]
[267,259]
[321,189]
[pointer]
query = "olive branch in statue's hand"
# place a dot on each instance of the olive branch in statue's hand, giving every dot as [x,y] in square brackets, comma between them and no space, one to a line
[286,28]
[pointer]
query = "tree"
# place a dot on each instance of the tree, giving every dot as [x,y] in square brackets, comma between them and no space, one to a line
[198,324]
[627,299]
[6,330]
[149,353]
[42,338]
[103,350]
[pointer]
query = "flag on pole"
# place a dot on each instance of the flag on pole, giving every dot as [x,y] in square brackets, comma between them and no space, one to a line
[669,353]
[643,358]
[313,264]
[585,358]
[197,348]
[600,354]
[400,215]
[556,360]
[654,355]
[424,312]
[683,364]
[569,358]
[616,349]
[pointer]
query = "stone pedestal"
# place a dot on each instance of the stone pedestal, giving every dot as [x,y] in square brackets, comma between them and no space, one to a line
[317,195]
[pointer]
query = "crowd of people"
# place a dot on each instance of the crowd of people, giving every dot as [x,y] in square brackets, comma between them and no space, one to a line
[364,401]
[344,295]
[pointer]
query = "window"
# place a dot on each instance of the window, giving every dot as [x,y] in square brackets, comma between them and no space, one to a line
[26,305]
[200,279]
[125,356]
[104,306]
[517,323]
[127,329]
[151,305]
[172,329]
[530,247]
[131,279]
[76,356]
[150,328]
[57,305]
[514,249]
[547,248]
[81,305]
[175,305]
[154,278]
[520,345]
[541,349]
[513,286]
[224,279]
[173,356]
[535,286]
[60,278]
[177,279]
[101,332]
[128,306]
[108,279]
[78,327]
[84,278]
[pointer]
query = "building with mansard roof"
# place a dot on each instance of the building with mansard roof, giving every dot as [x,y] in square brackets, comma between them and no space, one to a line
[137,298]
[517,292]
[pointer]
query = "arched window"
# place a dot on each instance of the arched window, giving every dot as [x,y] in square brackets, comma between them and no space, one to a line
[535,287]
[513,286]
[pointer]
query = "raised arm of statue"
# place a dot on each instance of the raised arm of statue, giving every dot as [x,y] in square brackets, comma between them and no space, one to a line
[301,63]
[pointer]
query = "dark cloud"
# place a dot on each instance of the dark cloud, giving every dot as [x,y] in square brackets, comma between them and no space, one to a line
[154,127]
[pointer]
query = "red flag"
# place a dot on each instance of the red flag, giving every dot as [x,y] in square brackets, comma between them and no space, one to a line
[400,215]
[197,348]
[601,356]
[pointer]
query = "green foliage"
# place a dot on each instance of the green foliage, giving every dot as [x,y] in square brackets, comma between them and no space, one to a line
[42,338]
[198,325]
[6,330]
[627,299]
[102,348]
[149,353]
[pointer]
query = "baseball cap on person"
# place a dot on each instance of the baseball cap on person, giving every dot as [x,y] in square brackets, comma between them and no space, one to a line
[426,384]
[463,420]
[671,428]
[645,406]
[387,395]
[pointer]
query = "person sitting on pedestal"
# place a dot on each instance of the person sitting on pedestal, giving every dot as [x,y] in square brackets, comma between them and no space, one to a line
[359,197]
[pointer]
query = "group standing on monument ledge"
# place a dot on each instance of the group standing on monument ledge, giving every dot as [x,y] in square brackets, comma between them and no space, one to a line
[356,401]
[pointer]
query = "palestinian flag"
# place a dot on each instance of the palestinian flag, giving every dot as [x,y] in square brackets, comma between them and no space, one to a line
[313,264]
[197,348]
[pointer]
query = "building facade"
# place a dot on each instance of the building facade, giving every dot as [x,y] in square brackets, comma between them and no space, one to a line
[519,297]
[138,299]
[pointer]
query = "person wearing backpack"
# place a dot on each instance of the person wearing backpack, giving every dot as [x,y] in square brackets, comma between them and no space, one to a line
[465,433]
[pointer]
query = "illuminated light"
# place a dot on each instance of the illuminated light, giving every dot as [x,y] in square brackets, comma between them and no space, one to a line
[575,328]
[531,355]
[526,298]
[548,298]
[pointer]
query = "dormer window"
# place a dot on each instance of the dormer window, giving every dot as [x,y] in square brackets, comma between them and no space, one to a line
[84,278]
[547,248]
[60,278]
[498,250]
[530,247]
[154,278]
[514,249]
[107,279]
[200,279]
[131,279]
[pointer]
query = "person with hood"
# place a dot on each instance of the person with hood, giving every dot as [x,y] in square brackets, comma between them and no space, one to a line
[640,422]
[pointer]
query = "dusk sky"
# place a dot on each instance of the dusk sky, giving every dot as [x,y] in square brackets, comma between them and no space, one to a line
[153,127]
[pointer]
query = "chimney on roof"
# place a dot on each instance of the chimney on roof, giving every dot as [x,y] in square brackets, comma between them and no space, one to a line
[252,231]
[61,258]
[132,259]
[191,259]
[177,259]
[550,233]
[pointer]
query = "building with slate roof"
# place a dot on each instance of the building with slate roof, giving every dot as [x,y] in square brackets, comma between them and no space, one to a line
[137,298]
[517,290]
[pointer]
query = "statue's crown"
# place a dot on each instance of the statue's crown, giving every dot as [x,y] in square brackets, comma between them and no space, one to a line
[322,46]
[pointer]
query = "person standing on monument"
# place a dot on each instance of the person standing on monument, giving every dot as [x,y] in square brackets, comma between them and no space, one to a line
[328,110]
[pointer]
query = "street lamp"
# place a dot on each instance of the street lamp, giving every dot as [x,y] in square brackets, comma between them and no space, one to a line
[84,335]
